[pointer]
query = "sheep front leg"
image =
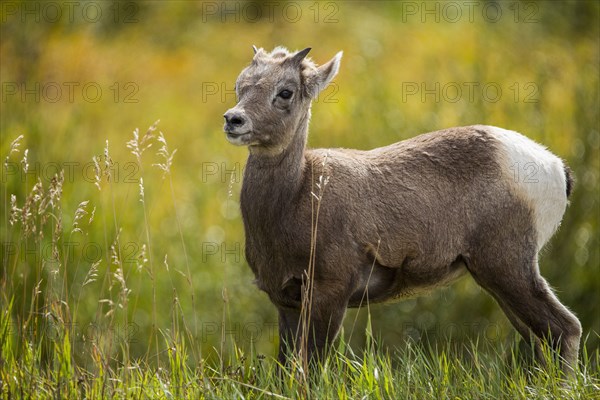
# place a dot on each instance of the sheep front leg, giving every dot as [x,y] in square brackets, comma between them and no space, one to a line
[322,328]
[289,320]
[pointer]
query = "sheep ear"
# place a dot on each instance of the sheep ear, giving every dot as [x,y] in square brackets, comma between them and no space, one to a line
[325,74]
[255,49]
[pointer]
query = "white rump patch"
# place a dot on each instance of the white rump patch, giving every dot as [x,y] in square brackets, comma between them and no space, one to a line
[537,176]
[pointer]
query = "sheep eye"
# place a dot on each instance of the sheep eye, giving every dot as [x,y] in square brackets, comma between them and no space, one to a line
[285,94]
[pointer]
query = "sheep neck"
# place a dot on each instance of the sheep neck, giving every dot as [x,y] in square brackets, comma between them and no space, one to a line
[274,180]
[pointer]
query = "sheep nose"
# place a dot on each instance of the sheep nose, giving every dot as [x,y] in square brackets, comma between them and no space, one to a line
[234,118]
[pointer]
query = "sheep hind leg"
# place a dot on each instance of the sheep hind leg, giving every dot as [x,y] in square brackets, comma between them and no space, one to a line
[521,328]
[529,302]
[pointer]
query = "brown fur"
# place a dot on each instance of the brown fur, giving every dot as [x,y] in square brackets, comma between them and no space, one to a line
[393,222]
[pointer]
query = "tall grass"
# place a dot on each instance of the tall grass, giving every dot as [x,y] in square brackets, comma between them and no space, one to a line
[46,354]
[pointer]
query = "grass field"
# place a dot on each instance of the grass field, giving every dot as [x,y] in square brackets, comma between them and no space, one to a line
[122,248]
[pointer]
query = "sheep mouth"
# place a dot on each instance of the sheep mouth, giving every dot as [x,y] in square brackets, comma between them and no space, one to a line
[238,138]
[235,134]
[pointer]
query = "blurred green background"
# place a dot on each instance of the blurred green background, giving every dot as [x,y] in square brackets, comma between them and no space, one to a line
[77,74]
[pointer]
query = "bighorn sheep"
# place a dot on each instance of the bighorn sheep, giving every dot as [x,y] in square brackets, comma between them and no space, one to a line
[394,221]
